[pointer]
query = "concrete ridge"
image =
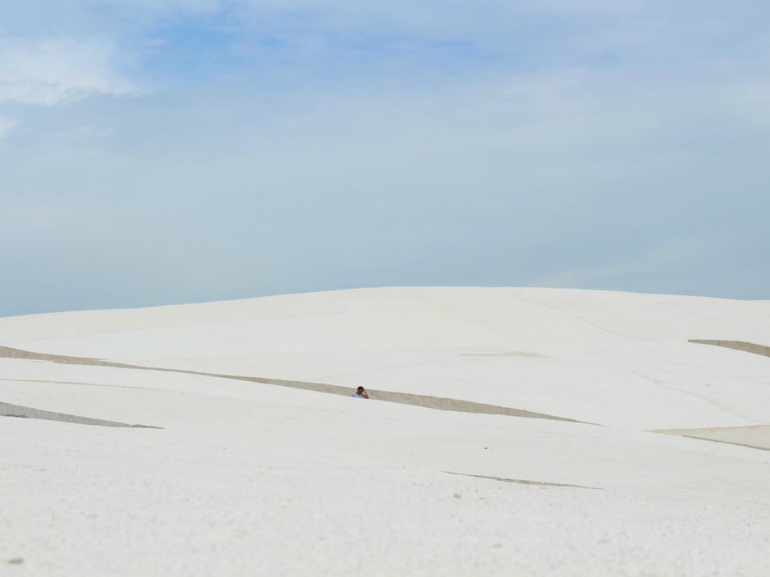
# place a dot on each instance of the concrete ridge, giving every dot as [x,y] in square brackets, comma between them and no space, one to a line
[752,436]
[9,410]
[725,442]
[744,346]
[439,403]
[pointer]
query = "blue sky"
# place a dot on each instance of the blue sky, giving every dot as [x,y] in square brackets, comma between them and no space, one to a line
[163,151]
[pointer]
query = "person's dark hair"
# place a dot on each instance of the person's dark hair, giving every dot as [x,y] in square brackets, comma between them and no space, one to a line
[360,389]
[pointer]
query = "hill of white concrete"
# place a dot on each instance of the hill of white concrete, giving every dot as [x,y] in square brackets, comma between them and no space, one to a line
[612,358]
[248,476]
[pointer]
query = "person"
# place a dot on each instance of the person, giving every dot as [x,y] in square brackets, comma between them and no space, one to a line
[361,393]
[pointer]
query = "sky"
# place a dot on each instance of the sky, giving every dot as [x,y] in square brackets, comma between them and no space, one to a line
[167,151]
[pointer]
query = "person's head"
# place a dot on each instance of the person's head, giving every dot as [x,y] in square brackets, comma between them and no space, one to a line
[360,390]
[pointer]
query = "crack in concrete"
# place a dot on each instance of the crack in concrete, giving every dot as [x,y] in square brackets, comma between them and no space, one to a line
[523,481]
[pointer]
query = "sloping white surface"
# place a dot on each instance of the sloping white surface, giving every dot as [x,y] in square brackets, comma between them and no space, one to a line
[258,480]
[252,479]
[613,358]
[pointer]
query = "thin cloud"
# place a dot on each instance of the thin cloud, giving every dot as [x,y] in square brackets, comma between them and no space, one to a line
[669,255]
[6,126]
[56,70]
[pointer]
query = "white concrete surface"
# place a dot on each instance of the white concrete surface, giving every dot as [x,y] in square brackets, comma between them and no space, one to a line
[246,478]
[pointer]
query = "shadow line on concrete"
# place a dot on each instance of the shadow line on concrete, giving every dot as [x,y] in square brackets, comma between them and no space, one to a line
[22,412]
[439,403]
[744,346]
